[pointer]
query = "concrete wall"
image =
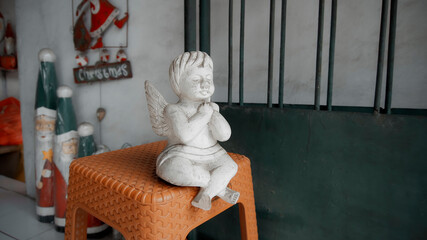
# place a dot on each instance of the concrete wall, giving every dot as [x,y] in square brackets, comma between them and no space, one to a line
[9,79]
[356,53]
[156,36]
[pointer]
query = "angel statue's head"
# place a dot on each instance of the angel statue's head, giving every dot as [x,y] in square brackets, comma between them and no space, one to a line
[191,76]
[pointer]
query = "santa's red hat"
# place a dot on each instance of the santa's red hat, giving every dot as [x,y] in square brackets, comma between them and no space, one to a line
[2,29]
[103,13]
[9,31]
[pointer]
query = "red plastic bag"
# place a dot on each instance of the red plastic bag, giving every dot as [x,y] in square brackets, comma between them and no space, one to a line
[10,122]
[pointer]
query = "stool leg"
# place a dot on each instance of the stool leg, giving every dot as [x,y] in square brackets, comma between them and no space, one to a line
[247,215]
[75,224]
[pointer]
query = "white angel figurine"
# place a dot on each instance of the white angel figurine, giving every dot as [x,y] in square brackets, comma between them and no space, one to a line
[193,126]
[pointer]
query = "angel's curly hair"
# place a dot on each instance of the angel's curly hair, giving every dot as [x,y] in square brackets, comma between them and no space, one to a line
[185,62]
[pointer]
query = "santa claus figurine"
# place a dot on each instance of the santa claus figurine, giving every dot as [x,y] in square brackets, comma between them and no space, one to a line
[121,56]
[82,60]
[87,147]
[66,145]
[8,61]
[104,56]
[45,117]
[103,13]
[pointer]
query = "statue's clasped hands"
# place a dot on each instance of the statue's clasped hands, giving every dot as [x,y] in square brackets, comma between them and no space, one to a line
[207,108]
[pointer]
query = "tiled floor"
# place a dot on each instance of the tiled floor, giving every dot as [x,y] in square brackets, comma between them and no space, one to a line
[18,219]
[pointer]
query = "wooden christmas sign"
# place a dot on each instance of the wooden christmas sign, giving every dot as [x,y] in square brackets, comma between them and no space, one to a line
[103,72]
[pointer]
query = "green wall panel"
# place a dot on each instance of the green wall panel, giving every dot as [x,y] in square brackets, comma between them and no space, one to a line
[329,175]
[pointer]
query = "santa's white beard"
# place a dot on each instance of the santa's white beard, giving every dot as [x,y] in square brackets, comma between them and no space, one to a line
[63,164]
[44,136]
[42,144]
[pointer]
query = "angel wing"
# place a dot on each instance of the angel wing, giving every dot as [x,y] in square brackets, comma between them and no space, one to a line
[156,106]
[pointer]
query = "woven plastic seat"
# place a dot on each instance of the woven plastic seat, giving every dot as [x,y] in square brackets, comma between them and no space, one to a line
[121,189]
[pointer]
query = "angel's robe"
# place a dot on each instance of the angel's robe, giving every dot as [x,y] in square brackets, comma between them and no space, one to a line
[194,154]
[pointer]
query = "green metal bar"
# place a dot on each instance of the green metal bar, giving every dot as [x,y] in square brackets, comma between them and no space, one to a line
[380,64]
[189,25]
[242,50]
[271,55]
[390,57]
[230,52]
[332,54]
[205,26]
[282,53]
[319,55]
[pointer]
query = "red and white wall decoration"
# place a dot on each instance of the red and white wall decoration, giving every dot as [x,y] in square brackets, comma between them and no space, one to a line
[101,25]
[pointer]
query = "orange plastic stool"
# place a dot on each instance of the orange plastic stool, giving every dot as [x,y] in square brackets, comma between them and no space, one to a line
[122,189]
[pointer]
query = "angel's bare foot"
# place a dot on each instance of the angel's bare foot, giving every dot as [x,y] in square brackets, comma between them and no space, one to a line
[202,201]
[229,195]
